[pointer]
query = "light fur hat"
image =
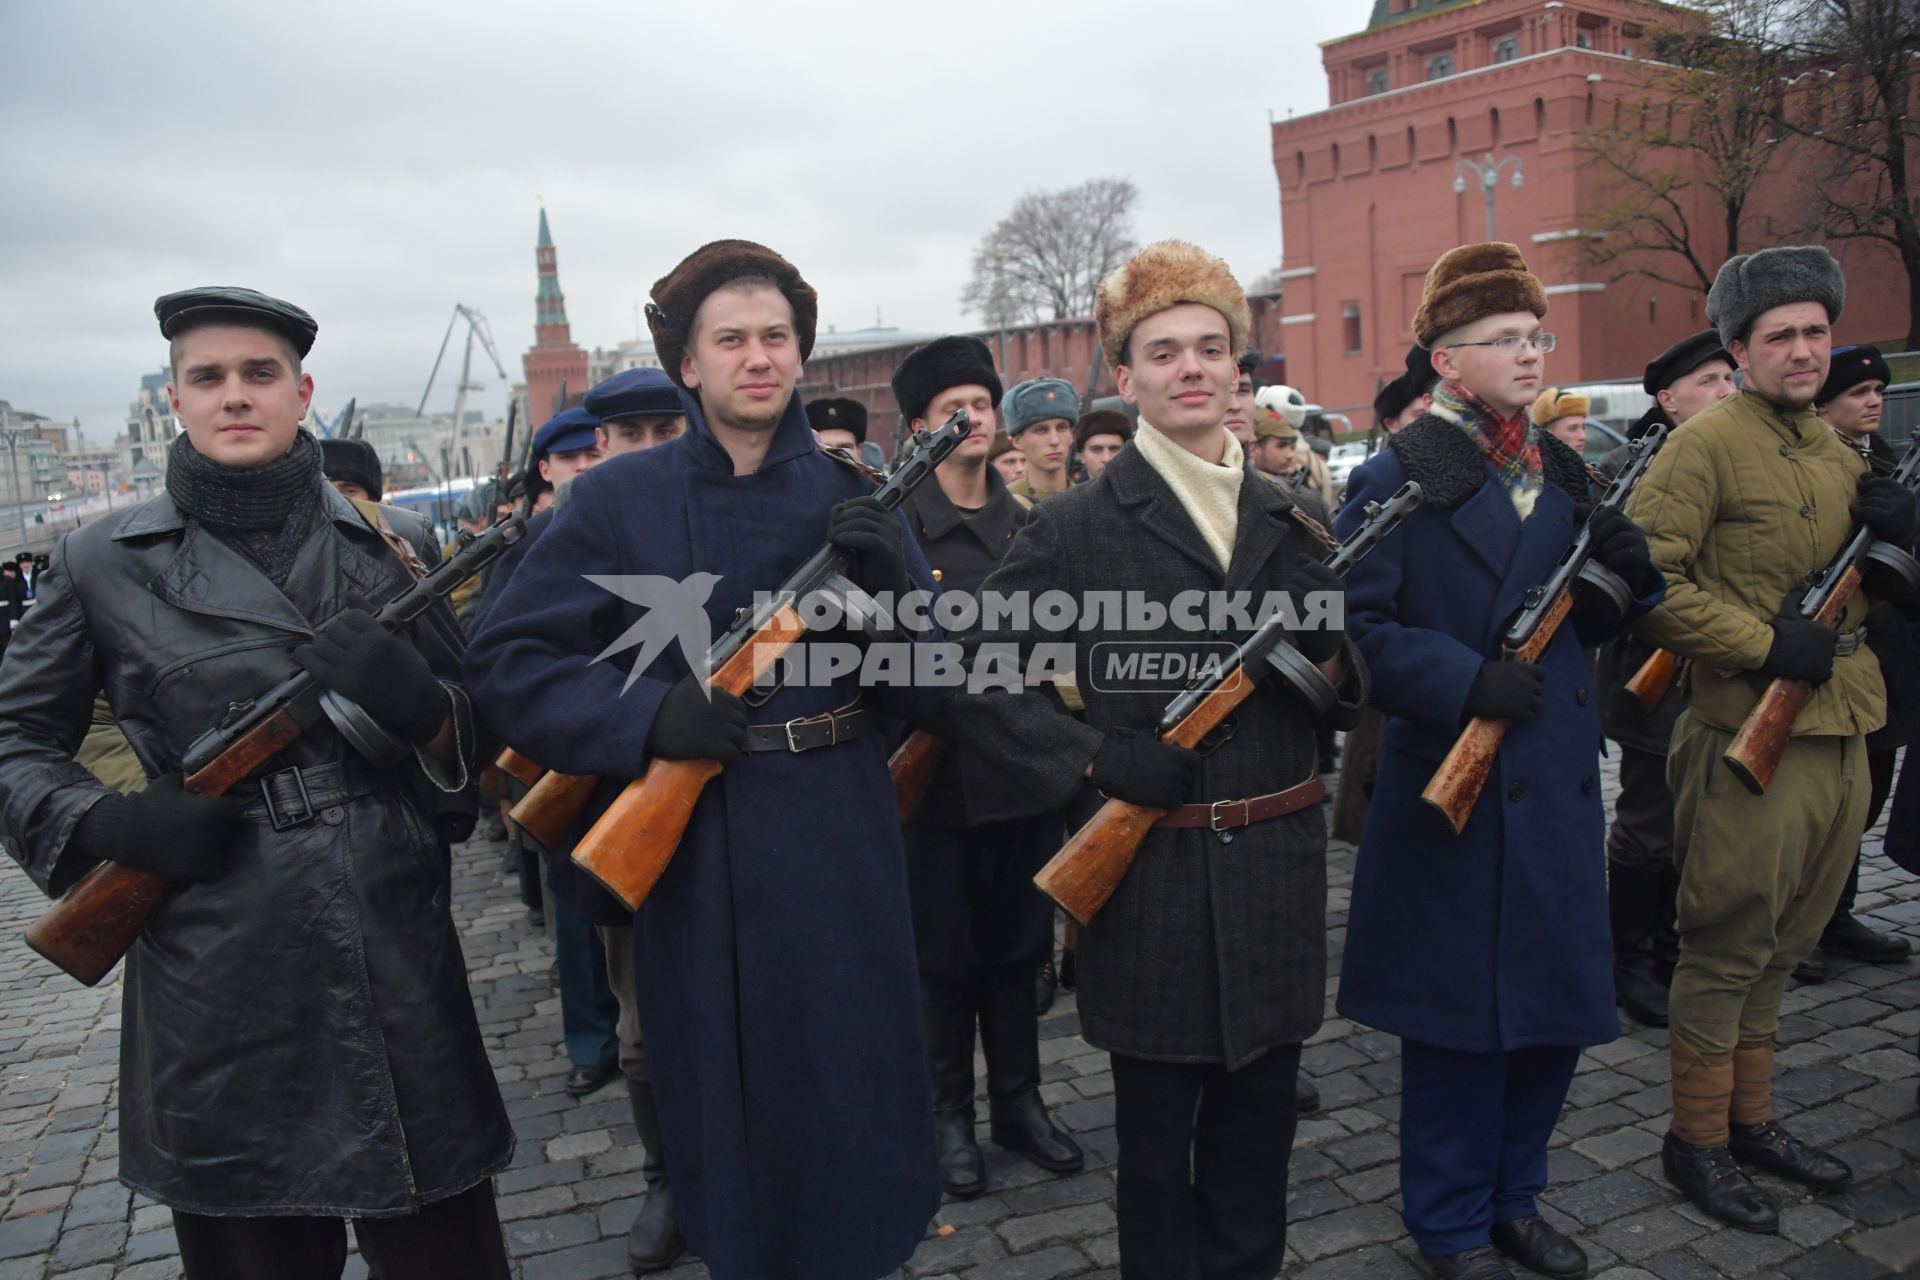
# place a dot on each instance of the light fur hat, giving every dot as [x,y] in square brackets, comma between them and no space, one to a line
[1285,403]
[1755,283]
[1554,404]
[1163,275]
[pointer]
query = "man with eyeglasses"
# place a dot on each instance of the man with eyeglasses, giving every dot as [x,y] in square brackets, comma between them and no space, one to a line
[1487,952]
[1751,497]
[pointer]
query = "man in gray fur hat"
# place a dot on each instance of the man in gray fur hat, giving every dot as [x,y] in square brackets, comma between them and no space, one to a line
[1739,509]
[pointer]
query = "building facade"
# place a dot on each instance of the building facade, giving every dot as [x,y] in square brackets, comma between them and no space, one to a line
[1381,183]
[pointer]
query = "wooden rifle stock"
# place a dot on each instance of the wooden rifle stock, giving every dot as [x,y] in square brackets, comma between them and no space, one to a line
[1457,783]
[1086,871]
[548,810]
[515,765]
[630,845]
[1655,676]
[911,767]
[1756,750]
[90,926]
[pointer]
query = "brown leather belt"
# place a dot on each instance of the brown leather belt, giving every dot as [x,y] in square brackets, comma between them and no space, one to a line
[1222,815]
[828,729]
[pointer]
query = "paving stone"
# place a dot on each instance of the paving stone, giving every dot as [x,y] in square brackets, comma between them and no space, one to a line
[1346,1229]
[1741,1253]
[1896,1247]
[1021,1235]
[1643,1234]
[1609,1196]
[543,1235]
[89,1244]
[1808,1225]
[22,1236]
[597,1261]
[1831,1262]
[1618,1148]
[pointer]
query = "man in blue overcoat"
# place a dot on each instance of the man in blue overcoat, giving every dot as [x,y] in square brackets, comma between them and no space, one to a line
[781,1007]
[1486,952]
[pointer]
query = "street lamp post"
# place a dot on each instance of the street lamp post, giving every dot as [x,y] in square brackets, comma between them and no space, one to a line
[1488,172]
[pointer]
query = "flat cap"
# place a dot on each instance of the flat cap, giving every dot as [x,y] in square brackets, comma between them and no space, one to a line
[1472,282]
[566,430]
[1162,275]
[1101,422]
[1850,367]
[634,393]
[1038,400]
[1681,359]
[678,294]
[838,414]
[230,304]
[1752,284]
[958,360]
[355,462]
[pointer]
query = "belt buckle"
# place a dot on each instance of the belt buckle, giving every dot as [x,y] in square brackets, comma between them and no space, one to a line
[1214,822]
[280,820]
[833,730]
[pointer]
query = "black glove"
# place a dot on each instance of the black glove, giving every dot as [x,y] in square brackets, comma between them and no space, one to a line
[1137,767]
[1506,691]
[1319,643]
[1886,507]
[698,722]
[876,546]
[1620,546]
[367,664]
[163,830]
[1801,650]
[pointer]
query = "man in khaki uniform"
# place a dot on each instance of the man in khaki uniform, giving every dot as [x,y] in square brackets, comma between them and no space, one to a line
[1739,508]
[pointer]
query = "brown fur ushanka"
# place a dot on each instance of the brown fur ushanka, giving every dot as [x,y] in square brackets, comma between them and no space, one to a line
[1165,275]
[678,295]
[1472,282]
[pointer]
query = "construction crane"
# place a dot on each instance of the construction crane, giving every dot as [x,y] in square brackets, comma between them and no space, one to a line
[476,329]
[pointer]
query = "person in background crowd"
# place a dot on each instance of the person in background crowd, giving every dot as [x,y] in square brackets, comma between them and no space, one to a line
[1642,881]
[1007,458]
[1563,415]
[353,467]
[1313,448]
[1275,447]
[1239,421]
[1099,436]
[840,424]
[1040,414]
[645,410]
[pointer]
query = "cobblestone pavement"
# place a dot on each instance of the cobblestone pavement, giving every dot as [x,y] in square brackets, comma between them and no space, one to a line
[1847,1078]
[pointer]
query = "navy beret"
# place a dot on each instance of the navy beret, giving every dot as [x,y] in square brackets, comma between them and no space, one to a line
[1681,359]
[1850,367]
[1039,400]
[229,304]
[838,415]
[633,393]
[566,430]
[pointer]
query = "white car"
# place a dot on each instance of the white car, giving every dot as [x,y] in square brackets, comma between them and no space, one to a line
[1341,461]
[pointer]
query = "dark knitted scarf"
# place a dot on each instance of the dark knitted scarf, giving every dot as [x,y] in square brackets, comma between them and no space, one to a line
[1508,443]
[262,512]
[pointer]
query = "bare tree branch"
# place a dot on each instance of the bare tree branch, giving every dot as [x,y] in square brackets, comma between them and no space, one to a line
[1047,256]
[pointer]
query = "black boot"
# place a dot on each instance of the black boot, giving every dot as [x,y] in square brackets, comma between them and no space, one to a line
[1769,1147]
[655,1242]
[1010,1037]
[1710,1178]
[1637,908]
[1045,985]
[1846,936]
[950,1064]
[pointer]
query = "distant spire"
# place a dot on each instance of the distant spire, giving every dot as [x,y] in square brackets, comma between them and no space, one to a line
[546,237]
[550,327]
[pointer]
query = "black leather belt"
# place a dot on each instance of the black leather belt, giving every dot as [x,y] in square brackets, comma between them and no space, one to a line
[828,729]
[293,797]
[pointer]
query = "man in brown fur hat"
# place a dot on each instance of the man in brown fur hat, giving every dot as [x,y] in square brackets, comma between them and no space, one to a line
[1206,970]
[1485,952]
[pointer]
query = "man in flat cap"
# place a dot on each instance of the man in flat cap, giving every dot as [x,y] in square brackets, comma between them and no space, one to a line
[1206,969]
[982,930]
[1642,882]
[1099,437]
[1485,952]
[299,1045]
[774,957]
[1741,505]
[637,409]
[1040,413]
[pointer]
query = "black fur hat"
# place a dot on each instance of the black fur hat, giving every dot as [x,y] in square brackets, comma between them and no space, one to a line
[838,415]
[355,461]
[955,361]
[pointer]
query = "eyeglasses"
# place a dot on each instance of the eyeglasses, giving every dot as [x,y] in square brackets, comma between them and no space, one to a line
[1541,342]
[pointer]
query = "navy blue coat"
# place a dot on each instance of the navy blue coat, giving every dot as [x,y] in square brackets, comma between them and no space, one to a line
[1495,939]
[778,992]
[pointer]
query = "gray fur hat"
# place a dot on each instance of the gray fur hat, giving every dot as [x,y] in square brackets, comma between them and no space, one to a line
[1754,283]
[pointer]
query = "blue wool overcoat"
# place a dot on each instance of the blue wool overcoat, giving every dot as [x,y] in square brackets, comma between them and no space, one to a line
[1495,939]
[777,983]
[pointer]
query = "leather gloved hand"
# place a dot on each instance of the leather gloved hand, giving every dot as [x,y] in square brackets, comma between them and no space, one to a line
[1886,507]
[164,830]
[876,546]
[698,722]
[1619,545]
[1506,690]
[1310,576]
[364,662]
[1135,766]
[1801,650]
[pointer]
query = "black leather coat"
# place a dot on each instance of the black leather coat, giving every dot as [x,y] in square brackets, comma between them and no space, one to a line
[298,1036]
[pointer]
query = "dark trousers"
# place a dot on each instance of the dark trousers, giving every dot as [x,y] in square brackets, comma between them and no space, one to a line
[1473,1138]
[1880,781]
[453,1239]
[1642,831]
[976,913]
[1203,1166]
[589,1012]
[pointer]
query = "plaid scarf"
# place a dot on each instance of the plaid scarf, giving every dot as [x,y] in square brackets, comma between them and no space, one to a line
[1508,443]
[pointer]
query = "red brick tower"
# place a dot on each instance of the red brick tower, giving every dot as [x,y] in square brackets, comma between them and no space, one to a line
[553,357]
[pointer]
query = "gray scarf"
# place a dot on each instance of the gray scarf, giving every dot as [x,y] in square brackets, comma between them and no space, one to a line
[262,512]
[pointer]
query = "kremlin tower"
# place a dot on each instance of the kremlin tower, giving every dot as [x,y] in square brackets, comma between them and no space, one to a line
[554,357]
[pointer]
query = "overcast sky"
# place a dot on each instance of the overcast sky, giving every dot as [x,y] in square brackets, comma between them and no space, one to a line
[377,162]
